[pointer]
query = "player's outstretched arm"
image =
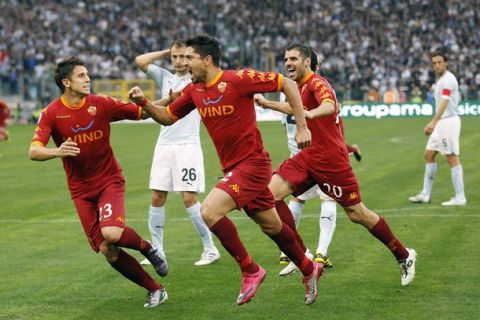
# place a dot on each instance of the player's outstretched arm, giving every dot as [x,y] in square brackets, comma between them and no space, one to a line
[156,111]
[144,60]
[68,148]
[324,109]
[283,107]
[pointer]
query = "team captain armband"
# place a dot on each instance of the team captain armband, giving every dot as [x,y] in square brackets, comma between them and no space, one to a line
[446,92]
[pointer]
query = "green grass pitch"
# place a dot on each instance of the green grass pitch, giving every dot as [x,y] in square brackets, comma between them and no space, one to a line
[47,270]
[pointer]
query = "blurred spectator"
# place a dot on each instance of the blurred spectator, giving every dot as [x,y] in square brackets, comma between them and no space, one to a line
[359,41]
[416,96]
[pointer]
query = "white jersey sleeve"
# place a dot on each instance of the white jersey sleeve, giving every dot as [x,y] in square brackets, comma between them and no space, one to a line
[291,127]
[446,88]
[187,129]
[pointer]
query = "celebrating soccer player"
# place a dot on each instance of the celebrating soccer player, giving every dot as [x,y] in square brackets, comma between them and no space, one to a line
[79,123]
[224,99]
[326,163]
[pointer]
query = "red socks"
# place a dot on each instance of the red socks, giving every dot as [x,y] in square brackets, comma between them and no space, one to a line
[382,232]
[129,267]
[286,216]
[285,240]
[130,239]
[227,233]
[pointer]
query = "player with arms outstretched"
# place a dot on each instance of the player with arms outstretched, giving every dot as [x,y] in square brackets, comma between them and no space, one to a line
[224,99]
[326,162]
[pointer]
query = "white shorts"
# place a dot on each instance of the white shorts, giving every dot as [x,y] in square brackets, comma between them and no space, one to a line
[445,138]
[313,192]
[177,167]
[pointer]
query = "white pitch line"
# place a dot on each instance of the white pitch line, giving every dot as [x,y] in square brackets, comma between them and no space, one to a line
[393,213]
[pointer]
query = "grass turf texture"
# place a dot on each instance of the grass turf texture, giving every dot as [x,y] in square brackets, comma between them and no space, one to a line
[47,270]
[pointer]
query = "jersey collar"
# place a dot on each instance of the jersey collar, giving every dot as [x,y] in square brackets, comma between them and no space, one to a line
[75,107]
[215,79]
[306,78]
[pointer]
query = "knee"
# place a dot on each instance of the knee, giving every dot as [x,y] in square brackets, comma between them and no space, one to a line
[158,198]
[361,215]
[208,214]
[111,234]
[189,199]
[356,215]
[109,251]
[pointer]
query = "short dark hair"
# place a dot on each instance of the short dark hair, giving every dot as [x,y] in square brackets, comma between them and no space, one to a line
[439,53]
[64,70]
[313,59]
[303,49]
[206,45]
[179,43]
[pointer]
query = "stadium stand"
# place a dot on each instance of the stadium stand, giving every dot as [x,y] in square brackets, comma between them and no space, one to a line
[366,47]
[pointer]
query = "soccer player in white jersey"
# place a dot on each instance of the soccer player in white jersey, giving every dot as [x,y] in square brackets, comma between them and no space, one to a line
[328,206]
[444,132]
[178,159]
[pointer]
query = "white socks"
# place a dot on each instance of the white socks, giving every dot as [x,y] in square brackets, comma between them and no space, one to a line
[156,220]
[328,222]
[201,226]
[430,172]
[457,180]
[296,209]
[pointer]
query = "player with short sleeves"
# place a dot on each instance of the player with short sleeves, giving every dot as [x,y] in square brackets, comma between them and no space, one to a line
[326,162]
[79,124]
[177,164]
[224,99]
[444,134]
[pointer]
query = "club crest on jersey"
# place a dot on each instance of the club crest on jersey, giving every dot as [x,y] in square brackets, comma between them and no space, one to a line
[92,110]
[222,86]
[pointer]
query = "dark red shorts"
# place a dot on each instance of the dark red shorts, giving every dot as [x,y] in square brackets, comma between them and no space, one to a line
[104,208]
[247,183]
[341,185]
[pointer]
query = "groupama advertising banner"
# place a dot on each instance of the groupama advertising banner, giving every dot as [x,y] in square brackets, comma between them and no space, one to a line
[370,110]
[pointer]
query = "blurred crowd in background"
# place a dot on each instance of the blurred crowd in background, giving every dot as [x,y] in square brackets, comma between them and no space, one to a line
[370,50]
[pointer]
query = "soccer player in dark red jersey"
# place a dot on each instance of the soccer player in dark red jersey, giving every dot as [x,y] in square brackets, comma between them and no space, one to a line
[79,123]
[4,115]
[326,162]
[224,99]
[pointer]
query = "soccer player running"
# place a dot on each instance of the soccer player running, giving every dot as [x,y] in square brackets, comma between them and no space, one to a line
[326,161]
[328,206]
[173,166]
[444,131]
[224,99]
[79,123]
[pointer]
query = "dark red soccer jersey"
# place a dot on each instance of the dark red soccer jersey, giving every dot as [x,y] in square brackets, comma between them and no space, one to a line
[89,126]
[226,107]
[4,113]
[328,149]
